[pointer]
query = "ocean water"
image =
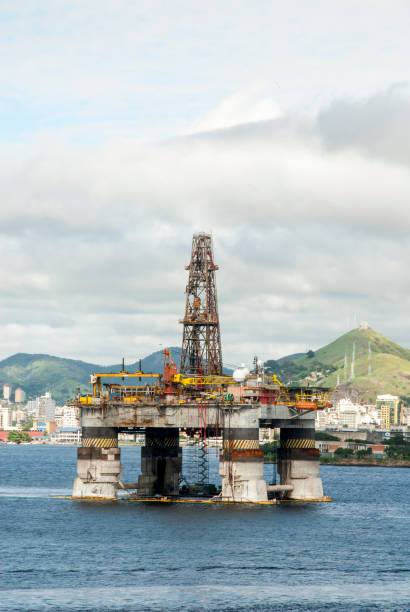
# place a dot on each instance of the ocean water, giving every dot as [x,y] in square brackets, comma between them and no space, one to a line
[62,555]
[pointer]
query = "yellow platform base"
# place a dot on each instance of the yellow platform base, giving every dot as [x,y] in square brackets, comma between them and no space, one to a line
[179,500]
[163,500]
[319,499]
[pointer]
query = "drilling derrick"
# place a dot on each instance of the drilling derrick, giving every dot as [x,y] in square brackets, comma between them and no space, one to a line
[201,341]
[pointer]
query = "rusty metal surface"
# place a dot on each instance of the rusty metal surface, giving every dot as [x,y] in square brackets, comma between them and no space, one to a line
[247,453]
[190,415]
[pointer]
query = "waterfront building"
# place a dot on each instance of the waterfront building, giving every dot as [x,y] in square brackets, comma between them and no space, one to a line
[6,417]
[45,426]
[347,415]
[59,417]
[329,447]
[71,416]
[390,410]
[67,416]
[68,435]
[349,418]
[321,419]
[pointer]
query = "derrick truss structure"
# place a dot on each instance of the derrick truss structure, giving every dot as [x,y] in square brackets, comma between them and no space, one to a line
[201,341]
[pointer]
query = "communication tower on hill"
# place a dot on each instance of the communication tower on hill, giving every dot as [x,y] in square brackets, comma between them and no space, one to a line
[369,358]
[352,374]
[201,341]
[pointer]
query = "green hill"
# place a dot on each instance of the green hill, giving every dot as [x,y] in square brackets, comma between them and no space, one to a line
[390,366]
[36,374]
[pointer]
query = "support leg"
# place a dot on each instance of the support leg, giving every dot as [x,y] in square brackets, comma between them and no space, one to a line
[98,464]
[298,463]
[161,462]
[241,466]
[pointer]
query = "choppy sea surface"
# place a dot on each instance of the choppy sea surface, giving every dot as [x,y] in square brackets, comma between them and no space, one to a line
[61,555]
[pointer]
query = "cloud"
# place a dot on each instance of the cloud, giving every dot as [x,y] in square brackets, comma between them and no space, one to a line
[147,69]
[248,106]
[378,126]
[309,230]
[280,171]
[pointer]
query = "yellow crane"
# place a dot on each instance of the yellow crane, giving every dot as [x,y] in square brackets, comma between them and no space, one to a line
[191,380]
[273,379]
[187,381]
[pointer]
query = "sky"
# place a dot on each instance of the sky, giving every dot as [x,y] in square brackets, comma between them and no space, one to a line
[281,128]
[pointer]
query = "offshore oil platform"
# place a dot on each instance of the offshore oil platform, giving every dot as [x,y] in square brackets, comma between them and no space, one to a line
[203,402]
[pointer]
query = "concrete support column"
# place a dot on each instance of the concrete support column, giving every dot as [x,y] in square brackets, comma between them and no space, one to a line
[98,464]
[298,463]
[241,466]
[161,462]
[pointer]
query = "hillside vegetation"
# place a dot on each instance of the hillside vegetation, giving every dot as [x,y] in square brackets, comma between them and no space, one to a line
[390,366]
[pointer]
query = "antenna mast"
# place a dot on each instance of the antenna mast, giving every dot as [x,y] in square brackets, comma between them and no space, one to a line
[201,341]
[353,360]
[369,369]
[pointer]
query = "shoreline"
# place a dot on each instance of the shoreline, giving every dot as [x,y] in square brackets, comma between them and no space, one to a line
[345,463]
[399,464]
[386,464]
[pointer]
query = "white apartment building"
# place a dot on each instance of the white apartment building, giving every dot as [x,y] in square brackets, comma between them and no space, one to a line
[321,419]
[347,415]
[6,416]
[349,418]
[67,416]
[59,417]
[71,417]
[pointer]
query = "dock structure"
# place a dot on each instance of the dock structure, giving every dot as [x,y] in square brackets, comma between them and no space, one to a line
[204,402]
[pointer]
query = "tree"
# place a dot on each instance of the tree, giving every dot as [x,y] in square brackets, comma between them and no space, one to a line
[270,451]
[19,436]
[399,451]
[28,424]
[343,453]
[323,435]
[396,439]
[310,354]
[364,453]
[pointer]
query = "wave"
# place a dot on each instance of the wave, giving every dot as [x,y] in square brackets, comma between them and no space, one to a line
[158,598]
[32,492]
